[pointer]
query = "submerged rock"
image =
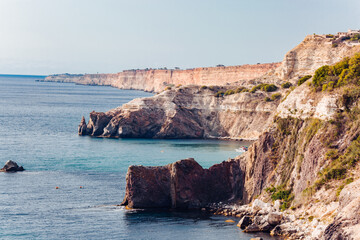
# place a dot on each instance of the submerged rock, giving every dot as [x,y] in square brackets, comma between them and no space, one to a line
[11,166]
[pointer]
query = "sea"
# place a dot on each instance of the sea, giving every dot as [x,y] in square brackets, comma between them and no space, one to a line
[73,185]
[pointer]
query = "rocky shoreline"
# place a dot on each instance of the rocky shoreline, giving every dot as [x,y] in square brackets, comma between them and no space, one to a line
[298,180]
[268,218]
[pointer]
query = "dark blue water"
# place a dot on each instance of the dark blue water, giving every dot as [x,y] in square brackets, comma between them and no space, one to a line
[38,129]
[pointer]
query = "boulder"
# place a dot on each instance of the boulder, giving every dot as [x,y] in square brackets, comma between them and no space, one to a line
[82,127]
[11,166]
[274,218]
[260,206]
[244,222]
[285,229]
[252,228]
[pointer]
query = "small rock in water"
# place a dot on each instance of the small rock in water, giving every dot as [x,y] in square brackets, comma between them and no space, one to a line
[11,166]
[229,221]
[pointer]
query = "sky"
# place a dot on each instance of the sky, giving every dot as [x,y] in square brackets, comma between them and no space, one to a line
[107,36]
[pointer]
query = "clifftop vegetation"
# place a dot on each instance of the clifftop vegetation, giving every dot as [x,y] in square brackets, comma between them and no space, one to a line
[340,74]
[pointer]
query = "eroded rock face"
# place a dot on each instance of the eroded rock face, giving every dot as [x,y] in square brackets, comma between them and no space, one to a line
[183,185]
[11,166]
[186,112]
[156,80]
[347,222]
[313,52]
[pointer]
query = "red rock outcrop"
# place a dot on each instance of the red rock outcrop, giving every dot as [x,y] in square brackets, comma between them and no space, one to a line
[183,185]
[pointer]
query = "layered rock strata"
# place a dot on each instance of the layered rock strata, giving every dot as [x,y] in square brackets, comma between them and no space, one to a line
[313,52]
[156,80]
[185,112]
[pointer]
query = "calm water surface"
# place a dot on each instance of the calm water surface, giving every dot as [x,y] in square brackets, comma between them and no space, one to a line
[38,129]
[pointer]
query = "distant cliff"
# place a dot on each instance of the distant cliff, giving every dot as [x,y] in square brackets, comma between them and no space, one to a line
[156,80]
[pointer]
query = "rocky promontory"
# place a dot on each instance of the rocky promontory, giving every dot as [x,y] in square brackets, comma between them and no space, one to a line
[182,185]
[186,112]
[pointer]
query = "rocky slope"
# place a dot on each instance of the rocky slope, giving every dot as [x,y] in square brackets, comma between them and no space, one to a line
[313,52]
[307,158]
[185,112]
[156,80]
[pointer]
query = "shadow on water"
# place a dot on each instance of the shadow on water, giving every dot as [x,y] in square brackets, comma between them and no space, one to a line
[191,220]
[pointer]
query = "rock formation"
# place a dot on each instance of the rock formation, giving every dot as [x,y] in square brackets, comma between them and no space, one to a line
[313,52]
[183,185]
[11,166]
[156,80]
[185,112]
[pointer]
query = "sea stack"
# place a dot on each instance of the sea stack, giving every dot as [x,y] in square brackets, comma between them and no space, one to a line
[11,166]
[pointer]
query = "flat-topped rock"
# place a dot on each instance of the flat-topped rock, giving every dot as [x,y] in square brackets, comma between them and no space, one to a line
[183,185]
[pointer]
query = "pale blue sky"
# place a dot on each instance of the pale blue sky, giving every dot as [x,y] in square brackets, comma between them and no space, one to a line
[89,36]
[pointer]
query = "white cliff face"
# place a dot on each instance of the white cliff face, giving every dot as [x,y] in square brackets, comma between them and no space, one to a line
[303,103]
[188,112]
[315,51]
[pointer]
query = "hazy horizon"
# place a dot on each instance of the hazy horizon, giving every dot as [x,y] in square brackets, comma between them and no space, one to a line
[41,37]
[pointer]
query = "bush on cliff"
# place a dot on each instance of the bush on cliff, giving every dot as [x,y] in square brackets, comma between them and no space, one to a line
[340,74]
[275,96]
[286,85]
[219,94]
[303,79]
[264,87]
[229,92]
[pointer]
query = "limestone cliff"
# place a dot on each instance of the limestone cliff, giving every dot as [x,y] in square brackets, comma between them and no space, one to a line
[186,112]
[156,80]
[313,52]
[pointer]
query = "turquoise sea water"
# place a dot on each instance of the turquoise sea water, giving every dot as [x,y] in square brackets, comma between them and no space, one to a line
[38,129]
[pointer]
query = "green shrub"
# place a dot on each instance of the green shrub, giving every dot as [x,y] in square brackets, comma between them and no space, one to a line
[264,87]
[229,92]
[350,96]
[303,79]
[241,89]
[275,96]
[270,88]
[167,88]
[281,195]
[286,85]
[320,75]
[219,94]
[203,87]
[212,88]
[342,73]
[267,99]
[336,173]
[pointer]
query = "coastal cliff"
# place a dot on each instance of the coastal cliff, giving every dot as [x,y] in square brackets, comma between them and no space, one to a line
[306,160]
[156,80]
[186,112]
[313,52]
